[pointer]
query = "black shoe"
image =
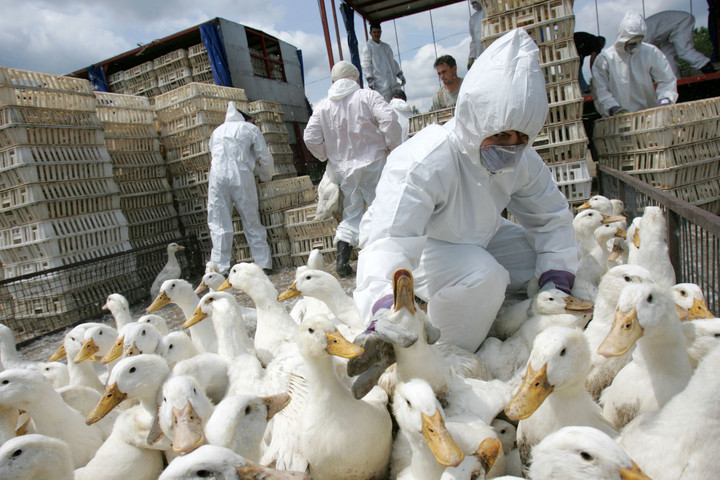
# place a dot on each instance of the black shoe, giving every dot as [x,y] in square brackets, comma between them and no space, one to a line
[343,267]
[708,68]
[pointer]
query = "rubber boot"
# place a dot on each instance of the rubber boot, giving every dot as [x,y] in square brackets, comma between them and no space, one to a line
[343,268]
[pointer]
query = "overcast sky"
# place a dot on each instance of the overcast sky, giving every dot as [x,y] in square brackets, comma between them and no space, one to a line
[62,36]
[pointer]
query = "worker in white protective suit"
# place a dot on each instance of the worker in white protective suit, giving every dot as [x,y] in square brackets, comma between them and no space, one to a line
[437,211]
[403,111]
[353,129]
[381,70]
[672,32]
[624,73]
[476,46]
[235,147]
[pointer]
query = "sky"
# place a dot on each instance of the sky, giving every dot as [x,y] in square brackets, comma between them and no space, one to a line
[62,36]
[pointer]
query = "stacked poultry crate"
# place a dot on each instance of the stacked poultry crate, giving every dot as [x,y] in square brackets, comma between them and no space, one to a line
[59,204]
[307,233]
[562,143]
[138,168]
[275,199]
[270,119]
[200,64]
[139,80]
[675,148]
[422,120]
[187,116]
[172,70]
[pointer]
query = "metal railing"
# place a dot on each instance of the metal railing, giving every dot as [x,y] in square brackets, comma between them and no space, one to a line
[39,303]
[693,233]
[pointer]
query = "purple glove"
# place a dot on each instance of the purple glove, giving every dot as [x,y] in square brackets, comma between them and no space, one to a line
[563,280]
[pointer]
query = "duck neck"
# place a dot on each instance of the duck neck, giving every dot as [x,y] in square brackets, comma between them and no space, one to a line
[422,461]
[323,381]
[232,337]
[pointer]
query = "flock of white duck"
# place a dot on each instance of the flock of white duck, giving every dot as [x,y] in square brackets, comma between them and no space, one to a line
[618,381]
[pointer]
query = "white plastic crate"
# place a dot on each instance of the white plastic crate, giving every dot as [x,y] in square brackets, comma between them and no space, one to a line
[661,158]
[194,119]
[139,173]
[137,159]
[418,122]
[132,144]
[196,103]
[171,58]
[143,200]
[138,70]
[49,154]
[680,176]
[48,117]
[556,153]
[44,90]
[175,77]
[542,32]
[199,161]
[573,179]
[191,178]
[16,134]
[56,192]
[199,89]
[188,136]
[560,133]
[553,8]
[117,101]
[63,172]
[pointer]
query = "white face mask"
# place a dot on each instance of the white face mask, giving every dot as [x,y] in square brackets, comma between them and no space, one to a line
[497,158]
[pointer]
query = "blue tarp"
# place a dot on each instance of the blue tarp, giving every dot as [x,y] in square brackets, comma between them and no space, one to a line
[96,74]
[302,65]
[348,15]
[212,38]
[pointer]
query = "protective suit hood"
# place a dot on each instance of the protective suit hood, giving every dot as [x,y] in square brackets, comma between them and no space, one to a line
[233,115]
[342,88]
[504,90]
[632,25]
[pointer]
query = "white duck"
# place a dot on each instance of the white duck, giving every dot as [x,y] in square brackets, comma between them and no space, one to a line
[28,390]
[603,369]
[681,440]
[585,224]
[600,203]
[170,271]
[660,367]
[502,359]
[326,288]
[595,263]
[127,452]
[701,336]
[330,197]
[245,371]
[181,293]
[175,347]
[35,456]
[690,297]
[275,328]
[156,321]
[653,249]
[9,357]
[553,393]
[340,437]
[577,452]
[83,373]
[507,434]
[119,308]
[429,442]
[212,461]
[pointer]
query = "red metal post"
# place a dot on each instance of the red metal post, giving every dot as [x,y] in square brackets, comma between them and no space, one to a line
[337,32]
[326,30]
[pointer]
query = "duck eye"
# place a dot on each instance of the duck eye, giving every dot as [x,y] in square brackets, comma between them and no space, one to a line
[717,335]
[170,347]
[502,431]
[100,332]
[627,278]
[650,298]
[586,456]
[17,452]
[562,352]
[72,338]
[408,403]
[194,391]
[311,330]
[5,382]
[683,293]
[132,370]
[143,333]
[248,410]
[204,473]
[308,277]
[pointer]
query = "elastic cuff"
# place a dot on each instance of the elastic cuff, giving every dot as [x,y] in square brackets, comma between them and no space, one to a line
[384,302]
[370,328]
[563,280]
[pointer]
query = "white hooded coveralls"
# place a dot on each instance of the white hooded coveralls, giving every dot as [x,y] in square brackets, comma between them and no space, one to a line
[403,112]
[377,62]
[437,211]
[672,33]
[476,46]
[626,79]
[353,129]
[235,147]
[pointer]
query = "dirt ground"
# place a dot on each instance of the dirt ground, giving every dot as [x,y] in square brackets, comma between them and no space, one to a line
[41,349]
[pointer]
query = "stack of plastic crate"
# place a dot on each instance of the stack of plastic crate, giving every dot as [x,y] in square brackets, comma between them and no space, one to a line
[138,80]
[675,148]
[187,117]
[138,168]
[172,70]
[275,198]
[562,143]
[422,120]
[59,204]
[307,233]
[270,119]
[200,64]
